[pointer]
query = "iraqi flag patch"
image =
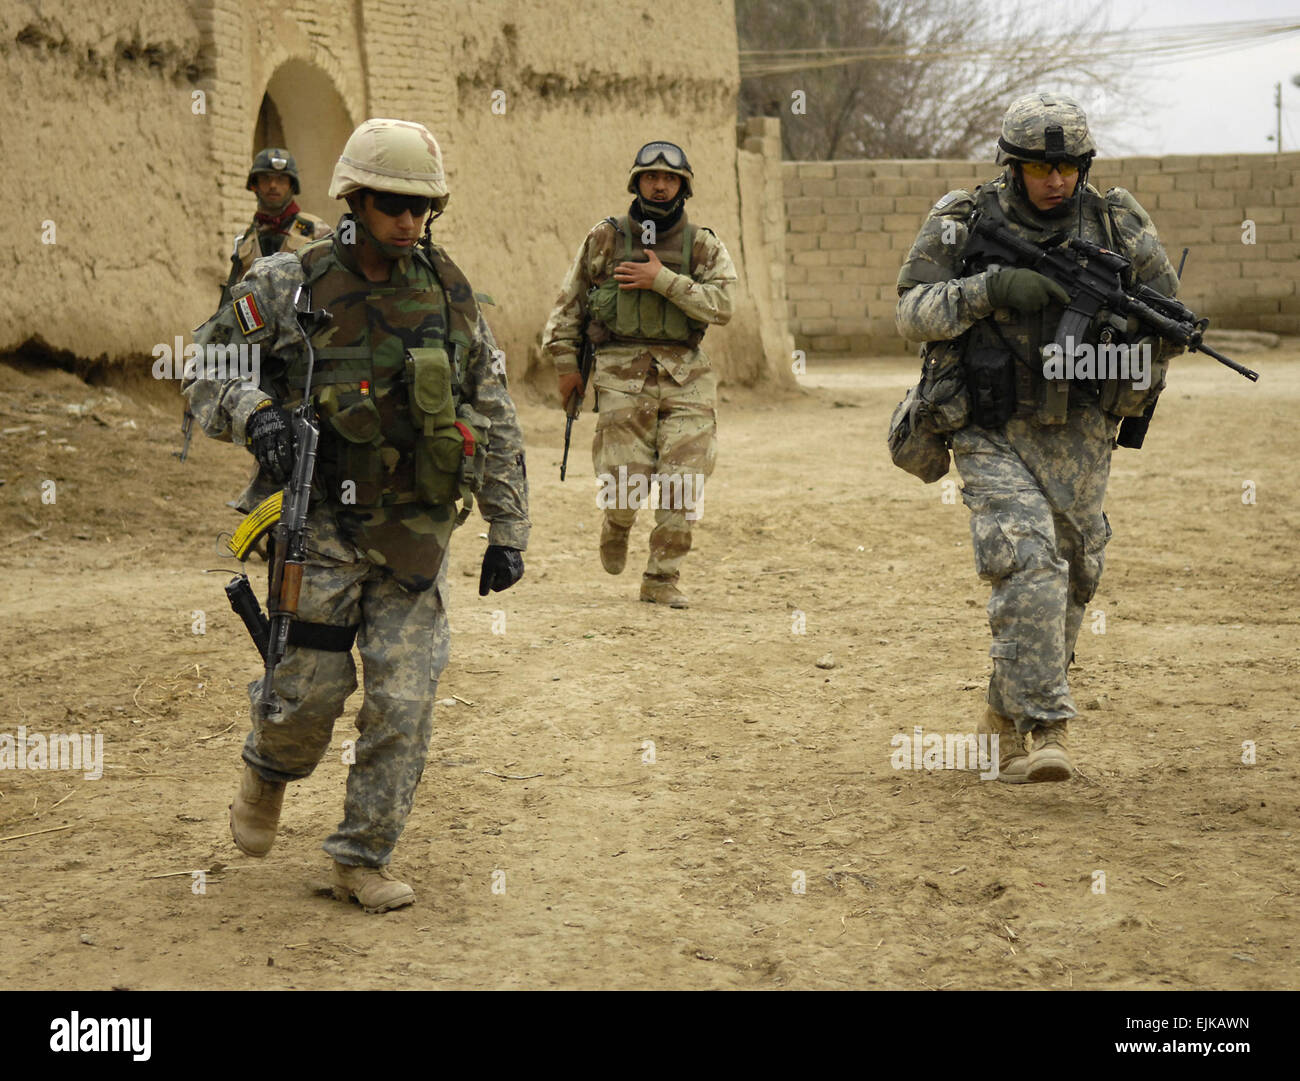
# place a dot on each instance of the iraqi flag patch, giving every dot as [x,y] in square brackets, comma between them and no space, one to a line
[250,319]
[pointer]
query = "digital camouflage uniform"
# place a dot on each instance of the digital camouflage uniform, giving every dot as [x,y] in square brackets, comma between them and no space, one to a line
[376,552]
[1035,489]
[658,400]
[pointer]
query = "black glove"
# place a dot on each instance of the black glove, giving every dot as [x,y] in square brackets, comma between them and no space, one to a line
[1023,289]
[502,568]
[270,438]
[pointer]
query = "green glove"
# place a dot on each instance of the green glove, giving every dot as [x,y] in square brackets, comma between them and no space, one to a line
[1023,289]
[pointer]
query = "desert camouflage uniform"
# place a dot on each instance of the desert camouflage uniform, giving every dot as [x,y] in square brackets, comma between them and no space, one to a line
[1035,490]
[382,565]
[291,236]
[658,401]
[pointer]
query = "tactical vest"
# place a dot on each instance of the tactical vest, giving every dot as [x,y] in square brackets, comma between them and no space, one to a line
[248,246]
[388,384]
[1023,334]
[642,316]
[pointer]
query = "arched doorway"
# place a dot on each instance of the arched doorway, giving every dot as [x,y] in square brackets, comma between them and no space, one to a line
[301,110]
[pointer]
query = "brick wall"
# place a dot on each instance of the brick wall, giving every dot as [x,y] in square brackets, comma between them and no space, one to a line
[850,224]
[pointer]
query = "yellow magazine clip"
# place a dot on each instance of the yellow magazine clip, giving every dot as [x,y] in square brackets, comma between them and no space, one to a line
[255,525]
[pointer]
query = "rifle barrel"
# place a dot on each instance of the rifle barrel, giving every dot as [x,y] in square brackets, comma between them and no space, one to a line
[1253,376]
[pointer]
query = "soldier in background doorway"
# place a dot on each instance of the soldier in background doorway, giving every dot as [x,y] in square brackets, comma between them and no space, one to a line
[278,224]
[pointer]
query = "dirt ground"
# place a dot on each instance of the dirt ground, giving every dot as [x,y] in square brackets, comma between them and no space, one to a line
[601,868]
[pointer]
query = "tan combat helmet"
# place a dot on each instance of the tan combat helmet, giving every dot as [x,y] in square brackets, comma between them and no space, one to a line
[1045,127]
[664,157]
[398,156]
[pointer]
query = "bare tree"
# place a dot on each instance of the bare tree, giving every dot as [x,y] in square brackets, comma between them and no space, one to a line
[914,78]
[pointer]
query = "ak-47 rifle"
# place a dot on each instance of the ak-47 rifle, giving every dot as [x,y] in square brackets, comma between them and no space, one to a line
[187,432]
[1091,275]
[289,550]
[586,362]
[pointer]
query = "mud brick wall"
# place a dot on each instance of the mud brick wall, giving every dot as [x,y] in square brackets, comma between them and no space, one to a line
[850,224]
[99,130]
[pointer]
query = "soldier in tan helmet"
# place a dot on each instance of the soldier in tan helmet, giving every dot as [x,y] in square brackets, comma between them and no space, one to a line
[415,418]
[1033,451]
[646,285]
[279,224]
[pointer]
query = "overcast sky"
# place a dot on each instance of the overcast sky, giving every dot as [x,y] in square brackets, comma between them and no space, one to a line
[1222,104]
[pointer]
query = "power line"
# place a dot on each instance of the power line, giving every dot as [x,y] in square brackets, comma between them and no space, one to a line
[1156,45]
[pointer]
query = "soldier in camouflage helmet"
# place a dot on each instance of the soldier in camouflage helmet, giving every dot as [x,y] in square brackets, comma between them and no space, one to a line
[278,224]
[645,285]
[1033,452]
[410,393]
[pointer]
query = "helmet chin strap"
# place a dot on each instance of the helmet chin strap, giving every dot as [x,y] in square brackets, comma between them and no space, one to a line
[388,251]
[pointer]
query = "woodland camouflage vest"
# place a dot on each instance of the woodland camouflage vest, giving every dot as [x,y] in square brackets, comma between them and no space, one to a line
[389,381]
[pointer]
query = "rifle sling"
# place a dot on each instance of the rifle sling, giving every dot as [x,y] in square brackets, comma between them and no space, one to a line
[323,636]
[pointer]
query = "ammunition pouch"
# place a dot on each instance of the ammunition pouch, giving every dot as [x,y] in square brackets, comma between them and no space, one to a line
[991,377]
[943,394]
[1120,398]
[643,314]
[349,411]
[914,445]
[450,452]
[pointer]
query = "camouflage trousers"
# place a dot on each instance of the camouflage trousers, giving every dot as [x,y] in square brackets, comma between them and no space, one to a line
[404,645]
[1039,533]
[667,432]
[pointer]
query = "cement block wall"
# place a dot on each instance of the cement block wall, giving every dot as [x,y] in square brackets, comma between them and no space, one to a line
[851,223]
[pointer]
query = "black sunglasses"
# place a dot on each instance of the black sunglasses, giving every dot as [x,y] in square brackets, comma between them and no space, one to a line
[393,205]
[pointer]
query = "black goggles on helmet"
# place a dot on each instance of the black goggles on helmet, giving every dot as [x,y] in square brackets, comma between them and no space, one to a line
[394,205]
[670,154]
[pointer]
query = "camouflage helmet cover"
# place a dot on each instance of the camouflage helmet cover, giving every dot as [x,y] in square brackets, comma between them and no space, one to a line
[397,156]
[277,161]
[1045,127]
[661,157]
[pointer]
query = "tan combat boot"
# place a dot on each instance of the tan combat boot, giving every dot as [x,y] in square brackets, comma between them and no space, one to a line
[613,546]
[1012,761]
[658,590]
[255,814]
[1049,755]
[374,888]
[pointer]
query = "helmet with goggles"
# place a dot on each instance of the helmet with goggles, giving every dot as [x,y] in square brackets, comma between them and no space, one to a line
[661,157]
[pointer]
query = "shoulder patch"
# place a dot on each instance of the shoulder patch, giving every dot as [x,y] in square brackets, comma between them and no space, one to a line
[951,200]
[306,228]
[250,319]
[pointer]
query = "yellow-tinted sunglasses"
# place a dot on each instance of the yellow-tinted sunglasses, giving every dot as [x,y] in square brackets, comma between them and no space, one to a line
[1041,170]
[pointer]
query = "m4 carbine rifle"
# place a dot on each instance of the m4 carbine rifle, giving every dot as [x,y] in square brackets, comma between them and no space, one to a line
[1092,275]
